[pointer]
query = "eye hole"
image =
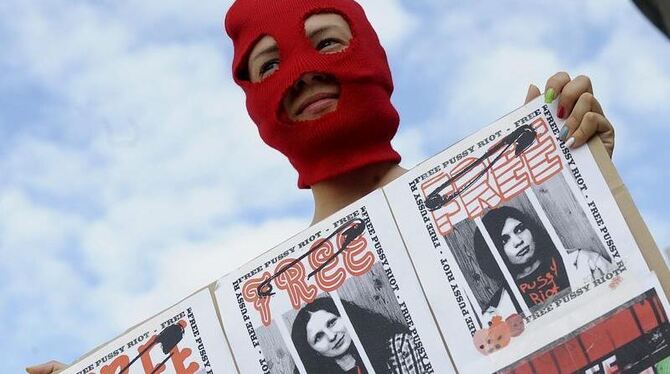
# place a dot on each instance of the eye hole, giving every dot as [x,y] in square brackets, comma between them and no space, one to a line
[504,239]
[328,32]
[268,68]
[330,45]
[263,59]
[332,322]
[318,337]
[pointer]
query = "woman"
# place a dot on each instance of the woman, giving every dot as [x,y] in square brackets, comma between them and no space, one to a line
[319,87]
[532,259]
[323,98]
[325,345]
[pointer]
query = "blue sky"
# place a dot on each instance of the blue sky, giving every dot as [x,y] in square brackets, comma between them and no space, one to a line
[132,175]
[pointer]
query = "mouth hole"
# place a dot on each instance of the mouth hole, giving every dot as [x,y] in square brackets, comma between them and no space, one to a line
[306,90]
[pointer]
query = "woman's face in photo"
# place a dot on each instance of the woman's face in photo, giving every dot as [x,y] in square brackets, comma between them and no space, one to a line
[313,94]
[517,241]
[327,334]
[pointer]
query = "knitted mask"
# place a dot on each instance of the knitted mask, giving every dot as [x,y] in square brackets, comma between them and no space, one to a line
[359,131]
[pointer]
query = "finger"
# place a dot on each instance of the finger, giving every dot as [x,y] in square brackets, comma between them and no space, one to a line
[533,92]
[585,104]
[593,123]
[571,93]
[50,367]
[555,85]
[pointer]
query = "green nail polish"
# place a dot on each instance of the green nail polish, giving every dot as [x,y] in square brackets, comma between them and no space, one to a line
[549,96]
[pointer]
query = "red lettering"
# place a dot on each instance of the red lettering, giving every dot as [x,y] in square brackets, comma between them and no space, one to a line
[261,304]
[541,157]
[294,281]
[147,363]
[510,174]
[118,363]
[481,194]
[508,177]
[357,259]
[179,357]
[330,277]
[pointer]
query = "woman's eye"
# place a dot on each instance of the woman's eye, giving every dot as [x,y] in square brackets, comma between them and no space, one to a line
[268,67]
[504,239]
[318,337]
[328,43]
[519,228]
[331,322]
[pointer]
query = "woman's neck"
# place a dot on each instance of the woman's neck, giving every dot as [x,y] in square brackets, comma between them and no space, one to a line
[334,194]
[346,362]
[529,269]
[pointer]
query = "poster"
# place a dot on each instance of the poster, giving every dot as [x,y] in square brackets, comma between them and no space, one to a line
[513,227]
[340,296]
[185,339]
[632,337]
[505,253]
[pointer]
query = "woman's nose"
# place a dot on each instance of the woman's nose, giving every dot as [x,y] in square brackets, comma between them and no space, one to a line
[330,334]
[308,79]
[517,240]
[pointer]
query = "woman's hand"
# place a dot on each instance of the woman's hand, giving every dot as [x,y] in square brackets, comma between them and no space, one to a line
[51,367]
[585,117]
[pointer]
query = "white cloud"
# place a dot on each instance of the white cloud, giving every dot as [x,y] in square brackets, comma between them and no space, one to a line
[186,265]
[391,20]
[409,143]
[163,158]
[33,227]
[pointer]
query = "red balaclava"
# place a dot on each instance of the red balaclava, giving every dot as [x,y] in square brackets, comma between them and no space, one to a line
[359,132]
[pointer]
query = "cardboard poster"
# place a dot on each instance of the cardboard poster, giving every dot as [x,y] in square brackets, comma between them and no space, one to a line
[184,339]
[507,252]
[630,335]
[512,225]
[341,296]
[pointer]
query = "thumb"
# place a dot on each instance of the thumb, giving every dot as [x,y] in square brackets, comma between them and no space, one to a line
[50,367]
[533,92]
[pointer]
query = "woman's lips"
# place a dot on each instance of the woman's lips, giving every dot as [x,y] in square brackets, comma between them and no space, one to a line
[317,104]
[339,342]
[523,251]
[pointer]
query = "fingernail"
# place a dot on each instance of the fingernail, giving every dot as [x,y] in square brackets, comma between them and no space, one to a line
[570,142]
[563,134]
[549,96]
[561,112]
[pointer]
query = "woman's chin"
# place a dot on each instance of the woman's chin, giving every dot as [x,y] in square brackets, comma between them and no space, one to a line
[345,347]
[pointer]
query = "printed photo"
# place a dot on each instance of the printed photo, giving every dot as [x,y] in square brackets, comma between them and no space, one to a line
[567,216]
[634,338]
[375,314]
[544,242]
[277,353]
[528,254]
[358,328]
[483,281]
[541,265]
[323,340]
